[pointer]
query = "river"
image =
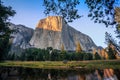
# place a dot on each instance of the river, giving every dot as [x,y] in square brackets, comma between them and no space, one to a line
[18,73]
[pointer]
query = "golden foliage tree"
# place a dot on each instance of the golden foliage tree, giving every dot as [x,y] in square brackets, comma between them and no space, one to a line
[103,54]
[62,48]
[94,50]
[106,55]
[78,47]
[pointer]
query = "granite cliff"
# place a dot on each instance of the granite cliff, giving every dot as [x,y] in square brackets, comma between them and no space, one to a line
[20,37]
[53,31]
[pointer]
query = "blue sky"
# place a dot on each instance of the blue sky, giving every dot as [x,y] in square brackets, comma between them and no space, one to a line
[29,12]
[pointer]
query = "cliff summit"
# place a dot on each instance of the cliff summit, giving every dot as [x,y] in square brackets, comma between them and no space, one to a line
[53,23]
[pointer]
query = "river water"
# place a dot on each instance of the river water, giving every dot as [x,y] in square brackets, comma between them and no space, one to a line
[15,73]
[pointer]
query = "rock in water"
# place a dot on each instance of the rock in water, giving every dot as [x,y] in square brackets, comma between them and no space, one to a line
[53,31]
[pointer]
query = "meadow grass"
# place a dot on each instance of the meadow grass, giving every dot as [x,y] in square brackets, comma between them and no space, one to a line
[92,64]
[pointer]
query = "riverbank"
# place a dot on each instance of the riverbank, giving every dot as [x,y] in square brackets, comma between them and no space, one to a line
[92,64]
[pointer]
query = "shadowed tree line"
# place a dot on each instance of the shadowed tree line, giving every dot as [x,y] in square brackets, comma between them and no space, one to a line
[50,54]
[34,54]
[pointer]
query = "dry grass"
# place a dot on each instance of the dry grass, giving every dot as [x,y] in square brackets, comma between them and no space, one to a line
[94,64]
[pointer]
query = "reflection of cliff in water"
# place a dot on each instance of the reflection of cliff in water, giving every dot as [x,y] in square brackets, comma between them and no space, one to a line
[109,74]
[53,74]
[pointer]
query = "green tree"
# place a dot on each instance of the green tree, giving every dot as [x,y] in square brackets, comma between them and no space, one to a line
[88,56]
[49,48]
[22,56]
[39,56]
[63,55]
[110,40]
[46,55]
[29,55]
[101,11]
[111,53]
[72,56]
[97,56]
[65,8]
[55,55]
[5,13]
[81,56]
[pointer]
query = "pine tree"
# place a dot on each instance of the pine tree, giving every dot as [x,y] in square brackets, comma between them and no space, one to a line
[97,56]
[111,53]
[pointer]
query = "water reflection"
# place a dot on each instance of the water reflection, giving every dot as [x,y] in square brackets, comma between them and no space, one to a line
[53,74]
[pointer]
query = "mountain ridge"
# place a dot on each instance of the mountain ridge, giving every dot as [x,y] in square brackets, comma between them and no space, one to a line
[55,36]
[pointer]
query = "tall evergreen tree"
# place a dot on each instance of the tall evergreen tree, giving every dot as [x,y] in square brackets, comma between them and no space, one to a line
[97,56]
[111,53]
[5,13]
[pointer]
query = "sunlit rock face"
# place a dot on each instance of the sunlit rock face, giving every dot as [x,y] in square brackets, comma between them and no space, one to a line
[53,31]
[51,23]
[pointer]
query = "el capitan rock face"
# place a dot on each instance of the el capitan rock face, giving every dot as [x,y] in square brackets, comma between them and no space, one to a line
[53,31]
